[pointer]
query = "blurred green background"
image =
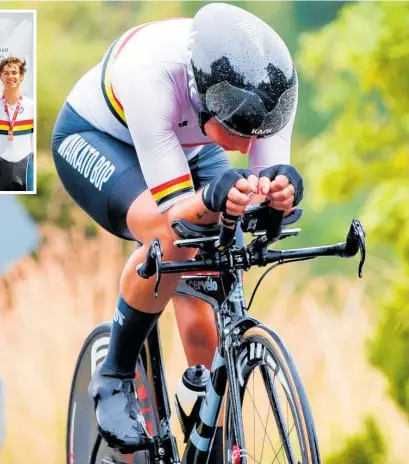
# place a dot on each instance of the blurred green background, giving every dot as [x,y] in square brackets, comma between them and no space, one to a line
[350,142]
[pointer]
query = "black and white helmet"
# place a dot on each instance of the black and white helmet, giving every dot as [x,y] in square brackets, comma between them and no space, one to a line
[240,71]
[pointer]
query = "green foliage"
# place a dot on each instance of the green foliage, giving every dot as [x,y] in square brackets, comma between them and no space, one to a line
[360,65]
[390,346]
[366,448]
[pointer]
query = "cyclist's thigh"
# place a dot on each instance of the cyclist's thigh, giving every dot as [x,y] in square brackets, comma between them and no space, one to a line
[102,174]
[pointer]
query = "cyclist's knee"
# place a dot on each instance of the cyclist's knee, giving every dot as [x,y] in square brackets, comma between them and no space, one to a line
[146,222]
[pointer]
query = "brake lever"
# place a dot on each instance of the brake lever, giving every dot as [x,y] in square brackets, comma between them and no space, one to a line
[153,258]
[355,242]
[362,245]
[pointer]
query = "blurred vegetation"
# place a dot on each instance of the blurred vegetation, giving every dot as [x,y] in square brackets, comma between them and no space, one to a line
[360,66]
[368,447]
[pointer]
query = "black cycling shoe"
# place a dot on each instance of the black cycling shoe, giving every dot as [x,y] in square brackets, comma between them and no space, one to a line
[119,419]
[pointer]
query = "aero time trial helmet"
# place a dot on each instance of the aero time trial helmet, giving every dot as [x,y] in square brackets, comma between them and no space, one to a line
[240,71]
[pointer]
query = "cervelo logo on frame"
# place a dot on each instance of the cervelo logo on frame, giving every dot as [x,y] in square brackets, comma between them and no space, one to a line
[208,285]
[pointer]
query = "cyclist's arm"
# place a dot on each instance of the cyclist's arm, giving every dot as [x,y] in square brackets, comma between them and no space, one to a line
[193,210]
[273,150]
[149,99]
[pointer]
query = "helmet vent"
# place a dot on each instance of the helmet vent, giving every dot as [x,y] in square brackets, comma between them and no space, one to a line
[254,37]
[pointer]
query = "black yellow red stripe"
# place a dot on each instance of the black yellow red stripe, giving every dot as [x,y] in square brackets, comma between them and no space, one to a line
[175,187]
[106,82]
[20,127]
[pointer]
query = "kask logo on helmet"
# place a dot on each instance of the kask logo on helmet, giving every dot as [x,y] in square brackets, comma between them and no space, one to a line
[262,131]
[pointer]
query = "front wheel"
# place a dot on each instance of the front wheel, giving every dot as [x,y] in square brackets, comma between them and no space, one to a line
[276,418]
[81,426]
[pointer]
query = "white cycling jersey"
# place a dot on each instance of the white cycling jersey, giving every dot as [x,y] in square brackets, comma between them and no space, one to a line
[139,94]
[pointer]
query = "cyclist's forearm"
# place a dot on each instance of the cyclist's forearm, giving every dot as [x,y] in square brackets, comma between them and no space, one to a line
[193,210]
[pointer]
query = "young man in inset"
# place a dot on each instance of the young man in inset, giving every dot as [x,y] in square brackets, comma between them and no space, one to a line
[16,126]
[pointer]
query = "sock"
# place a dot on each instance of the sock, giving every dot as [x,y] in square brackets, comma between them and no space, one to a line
[130,328]
[216,455]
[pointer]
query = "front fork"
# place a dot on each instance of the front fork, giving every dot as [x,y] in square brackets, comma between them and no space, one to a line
[232,341]
[238,454]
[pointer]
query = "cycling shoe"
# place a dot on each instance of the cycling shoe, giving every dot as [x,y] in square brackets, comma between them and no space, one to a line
[119,419]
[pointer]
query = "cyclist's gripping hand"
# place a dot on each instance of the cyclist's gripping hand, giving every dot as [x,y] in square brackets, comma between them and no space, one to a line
[283,186]
[229,192]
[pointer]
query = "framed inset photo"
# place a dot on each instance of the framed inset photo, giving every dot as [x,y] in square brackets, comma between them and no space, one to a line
[18,102]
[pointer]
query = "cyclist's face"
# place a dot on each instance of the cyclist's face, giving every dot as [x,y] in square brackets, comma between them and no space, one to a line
[11,77]
[226,139]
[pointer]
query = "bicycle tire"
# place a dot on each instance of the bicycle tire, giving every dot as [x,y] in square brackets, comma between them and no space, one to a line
[260,348]
[80,437]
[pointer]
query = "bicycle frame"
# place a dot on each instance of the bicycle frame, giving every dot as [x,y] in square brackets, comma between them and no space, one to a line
[224,292]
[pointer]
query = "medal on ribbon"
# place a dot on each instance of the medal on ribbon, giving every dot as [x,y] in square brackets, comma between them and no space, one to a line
[12,120]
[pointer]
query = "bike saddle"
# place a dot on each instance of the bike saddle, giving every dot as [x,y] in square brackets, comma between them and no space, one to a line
[187,230]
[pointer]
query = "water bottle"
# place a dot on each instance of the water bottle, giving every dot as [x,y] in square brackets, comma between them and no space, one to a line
[189,397]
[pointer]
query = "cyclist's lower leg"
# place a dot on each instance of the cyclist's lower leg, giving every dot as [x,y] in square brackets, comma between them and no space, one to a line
[197,329]
[198,333]
[112,388]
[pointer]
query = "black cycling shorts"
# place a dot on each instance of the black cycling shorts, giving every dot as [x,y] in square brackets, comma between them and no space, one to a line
[106,178]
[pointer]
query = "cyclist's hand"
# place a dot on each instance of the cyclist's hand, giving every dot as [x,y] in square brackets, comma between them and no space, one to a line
[230,191]
[283,186]
[239,195]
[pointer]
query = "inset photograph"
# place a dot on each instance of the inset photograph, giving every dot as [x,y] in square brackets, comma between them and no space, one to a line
[17,106]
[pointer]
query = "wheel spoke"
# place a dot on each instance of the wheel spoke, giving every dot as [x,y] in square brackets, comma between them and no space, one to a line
[253,458]
[265,428]
[264,438]
[282,445]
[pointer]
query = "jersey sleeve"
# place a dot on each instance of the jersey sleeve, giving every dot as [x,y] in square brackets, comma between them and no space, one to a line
[273,150]
[149,99]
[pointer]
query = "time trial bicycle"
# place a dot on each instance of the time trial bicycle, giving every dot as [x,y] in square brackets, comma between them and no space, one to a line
[267,417]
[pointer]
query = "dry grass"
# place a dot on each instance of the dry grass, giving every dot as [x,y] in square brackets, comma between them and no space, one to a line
[48,307]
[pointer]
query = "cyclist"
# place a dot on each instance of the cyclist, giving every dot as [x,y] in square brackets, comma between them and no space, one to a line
[141,141]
